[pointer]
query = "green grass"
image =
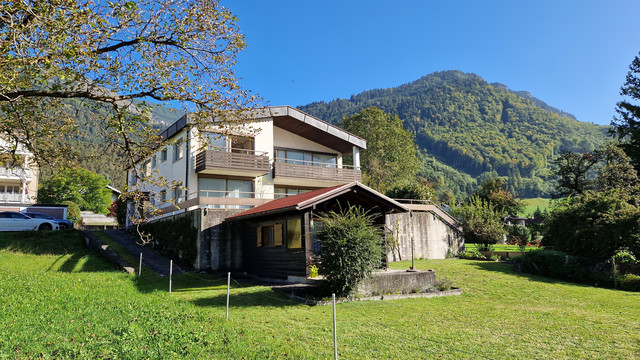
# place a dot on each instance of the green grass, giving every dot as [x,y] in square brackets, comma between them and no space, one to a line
[534,203]
[61,301]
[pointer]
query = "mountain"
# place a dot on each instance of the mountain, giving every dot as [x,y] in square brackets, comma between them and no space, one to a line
[468,130]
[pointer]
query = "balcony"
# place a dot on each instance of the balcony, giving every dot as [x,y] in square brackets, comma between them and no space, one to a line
[299,172]
[16,173]
[235,162]
[218,200]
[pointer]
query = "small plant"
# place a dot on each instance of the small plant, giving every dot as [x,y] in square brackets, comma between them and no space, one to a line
[313,271]
[443,284]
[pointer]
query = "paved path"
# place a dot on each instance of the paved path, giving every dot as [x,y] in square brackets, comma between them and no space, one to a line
[150,258]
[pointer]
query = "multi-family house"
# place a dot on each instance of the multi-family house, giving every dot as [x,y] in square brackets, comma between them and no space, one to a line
[253,192]
[18,175]
[282,151]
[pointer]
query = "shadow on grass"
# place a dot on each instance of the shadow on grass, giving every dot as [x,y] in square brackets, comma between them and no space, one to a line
[68,245]
[239,297]
[510,269]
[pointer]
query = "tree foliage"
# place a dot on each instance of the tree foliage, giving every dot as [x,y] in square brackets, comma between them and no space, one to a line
[573,173]
[105,55]
[627,122]
[481,222]
[419,189]
[83,187]
[496,192]
[390,158]
[351,248]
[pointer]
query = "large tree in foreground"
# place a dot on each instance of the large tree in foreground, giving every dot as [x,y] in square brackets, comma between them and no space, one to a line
[390,159]
[626,125]
[104,55]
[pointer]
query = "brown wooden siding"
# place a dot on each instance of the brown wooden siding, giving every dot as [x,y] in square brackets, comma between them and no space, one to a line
[211,160]
[283,169]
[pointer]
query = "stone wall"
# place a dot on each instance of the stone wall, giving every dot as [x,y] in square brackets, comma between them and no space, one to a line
[433,238]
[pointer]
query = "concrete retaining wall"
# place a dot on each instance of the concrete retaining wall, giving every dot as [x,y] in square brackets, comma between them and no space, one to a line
[393,282]
[432,237]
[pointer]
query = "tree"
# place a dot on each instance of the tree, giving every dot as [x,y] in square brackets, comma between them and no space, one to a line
[617,170]
[390,158]
[495,191]
[83,187]
[626,125]
[420,189]
[574,173]
[481,222]
[106,55]
[351,248]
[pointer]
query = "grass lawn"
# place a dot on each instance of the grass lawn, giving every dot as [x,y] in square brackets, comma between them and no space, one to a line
[530,205]
[61,301]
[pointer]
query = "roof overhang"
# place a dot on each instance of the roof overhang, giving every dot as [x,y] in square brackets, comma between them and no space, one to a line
[310,200]
[310,127]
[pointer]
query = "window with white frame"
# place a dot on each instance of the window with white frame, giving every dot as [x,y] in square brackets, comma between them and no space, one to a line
[178,150]
[163,155]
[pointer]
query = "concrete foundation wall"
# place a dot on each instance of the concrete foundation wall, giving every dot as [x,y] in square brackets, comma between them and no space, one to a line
[393,282]
[432,237]
[216,250]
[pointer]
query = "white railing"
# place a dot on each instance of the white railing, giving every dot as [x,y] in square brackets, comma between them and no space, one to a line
[16,172]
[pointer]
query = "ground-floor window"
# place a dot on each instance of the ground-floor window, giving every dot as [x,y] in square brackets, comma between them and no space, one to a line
[294,233]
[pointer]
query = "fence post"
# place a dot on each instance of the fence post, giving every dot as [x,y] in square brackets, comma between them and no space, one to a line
[228,287]
[170,274]
[335,332]
[615,282]
[140,266]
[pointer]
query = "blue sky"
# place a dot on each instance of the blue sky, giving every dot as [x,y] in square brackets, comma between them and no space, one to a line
[573,55]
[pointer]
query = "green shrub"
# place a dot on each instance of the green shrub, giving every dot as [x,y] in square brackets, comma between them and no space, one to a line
[629,282]
[351,248]
[176,237]
[556,265]
[73,211]
[443,284]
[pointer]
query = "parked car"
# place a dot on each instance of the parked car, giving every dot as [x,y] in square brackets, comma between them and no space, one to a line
[62,223]
[15,221]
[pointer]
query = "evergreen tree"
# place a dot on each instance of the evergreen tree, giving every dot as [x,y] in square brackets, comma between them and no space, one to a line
[627,122]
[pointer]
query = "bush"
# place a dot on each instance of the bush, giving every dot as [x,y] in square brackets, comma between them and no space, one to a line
[481,223]
[629,282]
[557,265]
[73,211]
[351,248]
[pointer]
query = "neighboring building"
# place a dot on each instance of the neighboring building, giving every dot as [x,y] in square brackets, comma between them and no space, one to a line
[18,176]
[252,195]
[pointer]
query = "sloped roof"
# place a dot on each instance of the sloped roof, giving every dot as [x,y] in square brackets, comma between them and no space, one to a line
[309,199]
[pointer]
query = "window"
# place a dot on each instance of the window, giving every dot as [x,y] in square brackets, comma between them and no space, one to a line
[163,196]
[177,193]
[294,233]
[281,192]
[163,155]
[269,236]
[212,187]
[302,157]
[133,178]
[178,150]
[154,162]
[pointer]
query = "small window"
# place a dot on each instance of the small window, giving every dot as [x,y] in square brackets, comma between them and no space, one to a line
[154,162]
[269,236]
[294,234]
[163,155]
[163,196]
[178,150]
[133,178]
[177,193]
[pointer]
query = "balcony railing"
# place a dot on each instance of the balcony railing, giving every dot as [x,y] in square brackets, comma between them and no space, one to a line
[315,170]
[16,173]
[12,198]
[236,159]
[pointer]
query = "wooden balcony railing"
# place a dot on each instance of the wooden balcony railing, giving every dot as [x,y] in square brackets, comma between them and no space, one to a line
[236,159]
[315,170]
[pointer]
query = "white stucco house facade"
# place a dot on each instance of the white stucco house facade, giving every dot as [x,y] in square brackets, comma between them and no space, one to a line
[279,151]
[18,175]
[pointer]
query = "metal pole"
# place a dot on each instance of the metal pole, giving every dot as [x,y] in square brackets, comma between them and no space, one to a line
[228,287]
[140,266]
[412,256]
[170,274]
[613,260]
[335,333]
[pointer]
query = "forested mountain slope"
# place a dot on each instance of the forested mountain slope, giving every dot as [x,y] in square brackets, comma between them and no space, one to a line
[469,130]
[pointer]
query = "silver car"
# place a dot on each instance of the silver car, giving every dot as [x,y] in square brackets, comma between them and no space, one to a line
[15,221]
